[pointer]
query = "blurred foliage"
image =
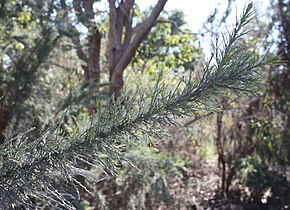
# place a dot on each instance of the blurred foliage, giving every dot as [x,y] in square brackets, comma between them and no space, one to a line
[252,137]
[168,46]
[22,57]
[269,187]
[144,186]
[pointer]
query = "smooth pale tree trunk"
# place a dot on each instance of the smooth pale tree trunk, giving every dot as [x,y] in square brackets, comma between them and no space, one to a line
[123,38]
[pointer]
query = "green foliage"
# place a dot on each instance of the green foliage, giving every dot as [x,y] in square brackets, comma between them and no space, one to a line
[143,186]
[269,144]
[167,47]
[27,41]
[266,186]
[256,146]
[34,167]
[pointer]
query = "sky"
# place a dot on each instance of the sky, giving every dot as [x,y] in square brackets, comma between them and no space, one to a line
[197,11]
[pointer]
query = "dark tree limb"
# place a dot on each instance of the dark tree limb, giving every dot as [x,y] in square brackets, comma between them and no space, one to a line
[85,14]
[84,11]
[94,68]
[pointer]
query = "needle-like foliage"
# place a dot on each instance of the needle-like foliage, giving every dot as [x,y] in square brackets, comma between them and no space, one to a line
[46,168]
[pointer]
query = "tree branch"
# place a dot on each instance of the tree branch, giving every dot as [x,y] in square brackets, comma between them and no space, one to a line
[80,53]
[94,56]
[85,14]
[127,22]
[139,32]
[84,11]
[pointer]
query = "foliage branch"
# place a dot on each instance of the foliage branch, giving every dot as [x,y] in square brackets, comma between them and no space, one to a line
[32,168]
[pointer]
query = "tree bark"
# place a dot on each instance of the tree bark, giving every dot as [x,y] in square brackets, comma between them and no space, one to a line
[124,39]
[94,68]
[85,14]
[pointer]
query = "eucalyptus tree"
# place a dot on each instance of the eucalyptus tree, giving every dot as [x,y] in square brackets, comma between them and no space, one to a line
[124,35]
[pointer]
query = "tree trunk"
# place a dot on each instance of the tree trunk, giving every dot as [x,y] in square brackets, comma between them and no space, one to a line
[94,68]
[124,39]
[85,14]
[116,83]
